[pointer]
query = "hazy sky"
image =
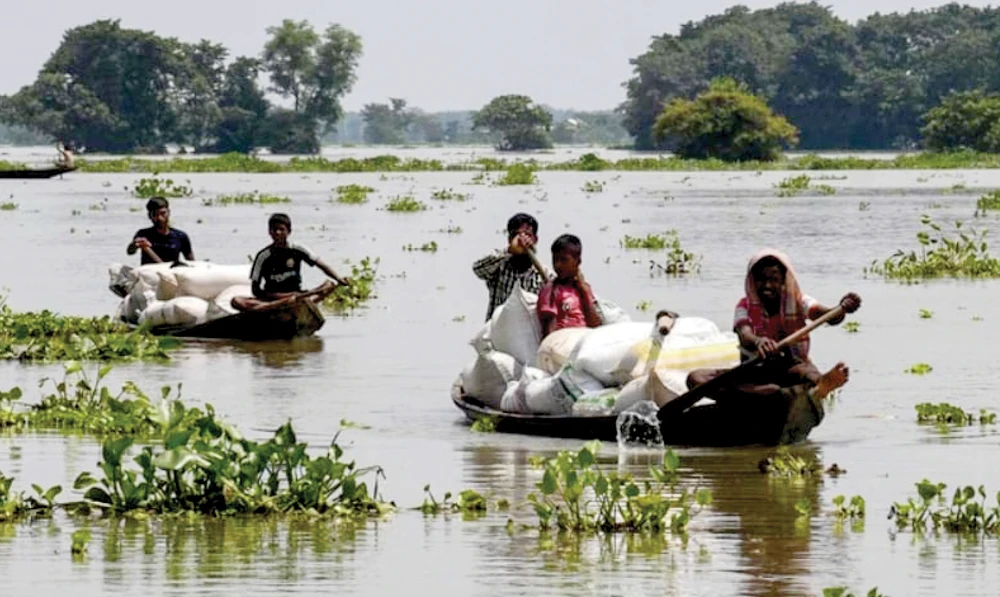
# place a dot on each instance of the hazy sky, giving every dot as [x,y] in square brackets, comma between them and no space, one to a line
[438,54]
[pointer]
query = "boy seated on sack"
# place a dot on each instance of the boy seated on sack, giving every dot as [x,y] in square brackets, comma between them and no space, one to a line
[511,267]
[567,301]
[276,272]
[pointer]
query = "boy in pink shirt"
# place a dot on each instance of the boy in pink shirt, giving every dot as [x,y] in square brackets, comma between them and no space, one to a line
[567,301]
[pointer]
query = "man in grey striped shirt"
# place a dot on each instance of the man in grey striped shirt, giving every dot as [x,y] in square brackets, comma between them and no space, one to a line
[511,267]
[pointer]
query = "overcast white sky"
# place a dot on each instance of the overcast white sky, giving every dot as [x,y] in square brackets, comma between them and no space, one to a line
[438,54]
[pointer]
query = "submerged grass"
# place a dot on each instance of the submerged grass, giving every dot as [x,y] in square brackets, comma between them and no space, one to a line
[254,198]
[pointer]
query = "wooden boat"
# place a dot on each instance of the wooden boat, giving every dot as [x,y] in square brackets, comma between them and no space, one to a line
[281,320]
[35,174]
[770,421]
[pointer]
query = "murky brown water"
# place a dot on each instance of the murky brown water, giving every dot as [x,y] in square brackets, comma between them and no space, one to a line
[391,365]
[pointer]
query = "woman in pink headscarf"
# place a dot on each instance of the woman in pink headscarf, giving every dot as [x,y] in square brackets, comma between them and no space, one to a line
[774,308]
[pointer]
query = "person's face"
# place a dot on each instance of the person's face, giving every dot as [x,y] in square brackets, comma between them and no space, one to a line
[769,282]
[526,230]
[279,233]
[566,264]
[161,217]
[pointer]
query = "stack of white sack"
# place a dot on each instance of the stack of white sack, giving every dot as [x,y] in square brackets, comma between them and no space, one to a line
[166,295]
[504,375]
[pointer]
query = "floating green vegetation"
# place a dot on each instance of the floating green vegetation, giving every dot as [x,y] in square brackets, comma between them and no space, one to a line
[864,206]
[678,260]
[79,403]
[159,187]
[919,369]
[485,424]
[852,327]
[849,510]
[428,247]
[46,336]
[353,194]
[844,592]
[206,466]
[15,506]
[8,206]
[965,514]
[944,413]
[655,242]
[575,495]
[452,229]
[926,313]
[405,203]
[348,298]
[470,503]
[254,198]
[79,542]
[966,256]
[449,195]
[783,463]
[593,186]
[988,202]
[4,166]
[644,306]
[518,174]
[789,187]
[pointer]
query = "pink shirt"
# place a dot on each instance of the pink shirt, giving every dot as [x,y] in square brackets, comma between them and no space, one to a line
[561,302]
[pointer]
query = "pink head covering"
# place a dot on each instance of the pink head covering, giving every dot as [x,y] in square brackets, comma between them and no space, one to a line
[791,314]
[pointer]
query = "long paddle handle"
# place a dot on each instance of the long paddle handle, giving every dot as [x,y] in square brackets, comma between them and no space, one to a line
[686,400]
[152,255]
[538,264]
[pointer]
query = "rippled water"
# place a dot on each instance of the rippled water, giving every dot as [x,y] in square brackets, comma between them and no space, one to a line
[391,365]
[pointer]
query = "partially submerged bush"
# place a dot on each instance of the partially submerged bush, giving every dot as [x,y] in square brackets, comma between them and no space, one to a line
[964,256]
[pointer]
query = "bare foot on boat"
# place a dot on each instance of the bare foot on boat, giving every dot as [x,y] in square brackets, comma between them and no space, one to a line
[831,380]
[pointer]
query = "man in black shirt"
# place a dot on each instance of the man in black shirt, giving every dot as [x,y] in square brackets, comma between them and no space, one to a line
[160,242]
[277,269]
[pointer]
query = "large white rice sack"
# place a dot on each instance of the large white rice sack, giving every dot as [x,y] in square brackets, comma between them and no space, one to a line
[166,286]
[659,386]
[539,393]
[150,273]
[487,378]
[693,343]
[207,282]
[514,328]
[222,305]
[601,351]
[557,348]
[611,313]
[183,310]
[136,301]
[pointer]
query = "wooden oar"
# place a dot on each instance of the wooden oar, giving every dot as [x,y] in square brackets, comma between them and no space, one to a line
[538,264]
[152,254]
[686,400]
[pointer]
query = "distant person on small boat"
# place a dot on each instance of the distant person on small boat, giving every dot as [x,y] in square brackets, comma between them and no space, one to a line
[508,268]
[567,301]
[276,272]
[774,308]
[66,159]
[160,242]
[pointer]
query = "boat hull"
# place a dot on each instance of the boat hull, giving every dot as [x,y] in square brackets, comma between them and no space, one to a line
[283,321]
[780,419]
[34,174]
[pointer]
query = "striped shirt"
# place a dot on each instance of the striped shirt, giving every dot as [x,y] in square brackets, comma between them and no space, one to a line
[279,269]
[501,278]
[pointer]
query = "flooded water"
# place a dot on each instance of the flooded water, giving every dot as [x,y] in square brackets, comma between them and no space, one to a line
[390,367]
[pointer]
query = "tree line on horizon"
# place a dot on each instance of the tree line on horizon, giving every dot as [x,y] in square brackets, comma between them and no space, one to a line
[870,85]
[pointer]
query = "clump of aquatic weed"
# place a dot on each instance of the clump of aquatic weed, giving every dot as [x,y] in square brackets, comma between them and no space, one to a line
[966,256]
[593,186]
[518,174]
[576,496]
[796,185]
[8,206]
[353,194]
[852,327]
[404,203]
[428,247]
[254,198]
[47,337]
[965,515]
[449,195]
[15,506]
[678,260]
[919,369]
[946,414]
[159,187]
[484,424]
[988,202]
[844,592]
[470,503]
[783,463]
[348,298]
[854,509]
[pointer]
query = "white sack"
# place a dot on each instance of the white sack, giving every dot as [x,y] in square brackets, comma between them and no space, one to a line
[487,378]
[183,310]
[209,281]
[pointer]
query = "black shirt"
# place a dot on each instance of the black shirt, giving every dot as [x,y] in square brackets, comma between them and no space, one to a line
[278,269]
[168,247]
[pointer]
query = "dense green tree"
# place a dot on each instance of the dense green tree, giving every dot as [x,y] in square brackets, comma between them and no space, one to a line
[964,120]
[516,121]
[288,132]
[386,124]
[725,122]
[244,108]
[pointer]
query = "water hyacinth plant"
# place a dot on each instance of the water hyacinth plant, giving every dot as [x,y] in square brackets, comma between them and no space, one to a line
[428,247]
[254,198]
[449,195]
[353,194]
[347,298]
[405,203]
[966,256]
[518,174]
[965,514]
[14,505]
[576,496]
[159,187]
[470,503]
[944,413]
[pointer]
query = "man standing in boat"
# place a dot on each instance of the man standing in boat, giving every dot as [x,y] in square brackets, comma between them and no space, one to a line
[276,272]
[66,160]
[508,268]
[160,243]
